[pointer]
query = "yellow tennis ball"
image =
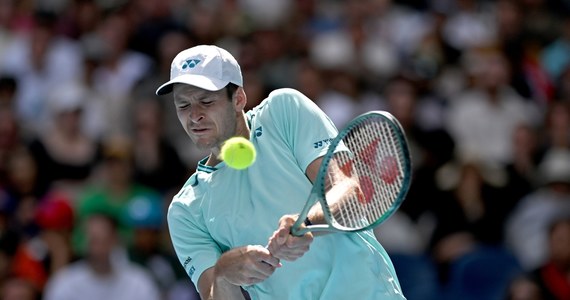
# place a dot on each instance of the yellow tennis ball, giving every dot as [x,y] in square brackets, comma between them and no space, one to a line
[238,153]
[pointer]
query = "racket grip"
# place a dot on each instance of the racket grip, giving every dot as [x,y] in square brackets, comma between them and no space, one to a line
[296,229]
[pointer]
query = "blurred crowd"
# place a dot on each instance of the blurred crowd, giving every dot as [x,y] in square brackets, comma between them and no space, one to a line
[90,157]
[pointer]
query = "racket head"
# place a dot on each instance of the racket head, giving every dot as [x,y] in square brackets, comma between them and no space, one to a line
[372,149]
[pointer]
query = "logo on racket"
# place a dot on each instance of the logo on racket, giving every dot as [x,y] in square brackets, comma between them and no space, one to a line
[367,189]
[369,154]
[389,169]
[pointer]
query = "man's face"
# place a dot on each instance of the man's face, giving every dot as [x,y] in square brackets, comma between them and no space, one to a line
[101,238]
[209,118]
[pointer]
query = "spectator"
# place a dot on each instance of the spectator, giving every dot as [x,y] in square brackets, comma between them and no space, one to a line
[39,257]
[111,190]
[23,192]
[146,216]
[156,161]
[522,170]
[105,272]
[552,276]
[482,119]
[39,61]
[527,227]
[120,69]
[64,153]
[468,213]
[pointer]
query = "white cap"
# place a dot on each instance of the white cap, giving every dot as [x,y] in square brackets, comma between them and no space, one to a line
[205,66]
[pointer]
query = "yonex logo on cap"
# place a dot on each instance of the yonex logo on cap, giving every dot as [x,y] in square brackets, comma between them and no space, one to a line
[190,63]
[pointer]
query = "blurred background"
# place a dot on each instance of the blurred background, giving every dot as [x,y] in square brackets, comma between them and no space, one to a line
[90,158]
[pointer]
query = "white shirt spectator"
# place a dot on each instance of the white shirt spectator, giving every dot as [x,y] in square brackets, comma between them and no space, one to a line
[527,228]
[79,281]
[485,128]
[62,62]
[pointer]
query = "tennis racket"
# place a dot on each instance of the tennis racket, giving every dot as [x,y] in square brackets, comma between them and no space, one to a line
[363,177]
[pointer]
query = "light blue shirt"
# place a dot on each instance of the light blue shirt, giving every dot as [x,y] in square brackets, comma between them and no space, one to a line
[220,208]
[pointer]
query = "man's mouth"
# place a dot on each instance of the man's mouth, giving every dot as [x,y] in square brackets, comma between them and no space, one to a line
[200,130]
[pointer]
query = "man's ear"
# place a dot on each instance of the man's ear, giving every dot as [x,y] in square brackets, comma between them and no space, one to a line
[240,99]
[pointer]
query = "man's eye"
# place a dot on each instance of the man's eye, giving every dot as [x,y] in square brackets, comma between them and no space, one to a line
[183,106]
[207,102]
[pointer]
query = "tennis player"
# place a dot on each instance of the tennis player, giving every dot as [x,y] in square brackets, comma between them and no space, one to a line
[221,219]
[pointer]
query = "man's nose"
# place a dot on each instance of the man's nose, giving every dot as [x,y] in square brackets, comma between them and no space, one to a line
[196,115]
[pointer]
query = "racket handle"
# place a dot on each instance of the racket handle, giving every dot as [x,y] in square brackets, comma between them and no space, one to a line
[297,230]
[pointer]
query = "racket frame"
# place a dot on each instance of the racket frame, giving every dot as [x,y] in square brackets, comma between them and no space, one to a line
[318,193]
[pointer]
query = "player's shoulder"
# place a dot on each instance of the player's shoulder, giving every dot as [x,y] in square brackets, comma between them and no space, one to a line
[286,96]
[283,100]
[285,92]
[190,192]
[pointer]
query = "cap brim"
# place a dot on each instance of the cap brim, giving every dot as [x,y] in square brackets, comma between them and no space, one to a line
[200,81]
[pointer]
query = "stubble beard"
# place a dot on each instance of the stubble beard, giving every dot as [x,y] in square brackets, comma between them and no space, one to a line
[228,130]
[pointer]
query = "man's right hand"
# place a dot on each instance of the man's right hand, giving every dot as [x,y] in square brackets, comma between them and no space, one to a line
[285,246]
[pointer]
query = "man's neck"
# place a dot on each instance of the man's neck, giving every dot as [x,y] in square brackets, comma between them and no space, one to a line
[242,129]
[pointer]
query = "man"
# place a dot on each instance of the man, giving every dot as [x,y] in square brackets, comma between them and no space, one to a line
[105,272]
[221,217]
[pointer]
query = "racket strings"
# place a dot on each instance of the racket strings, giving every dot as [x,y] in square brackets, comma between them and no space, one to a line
[374,172]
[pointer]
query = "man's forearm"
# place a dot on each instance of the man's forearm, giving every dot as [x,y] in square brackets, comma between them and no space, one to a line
[212,286]
[222,289]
